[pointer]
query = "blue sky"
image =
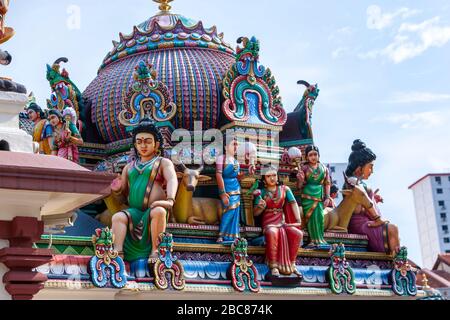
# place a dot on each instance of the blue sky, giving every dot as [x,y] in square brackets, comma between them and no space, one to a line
[383,68]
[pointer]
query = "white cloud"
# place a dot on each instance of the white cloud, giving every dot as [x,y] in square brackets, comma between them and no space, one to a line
[412,40]
[339,34]
[418,120]
[378,20]
[339,52]
[417,97]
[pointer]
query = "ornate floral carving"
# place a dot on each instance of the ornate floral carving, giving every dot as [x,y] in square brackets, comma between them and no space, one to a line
[403,276]
[244,274]
[146,97]
[168,264]
[250,89]
[106,266]
[340,274]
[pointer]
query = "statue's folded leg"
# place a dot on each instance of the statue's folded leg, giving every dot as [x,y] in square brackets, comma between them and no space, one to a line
[158,216]
[119,229]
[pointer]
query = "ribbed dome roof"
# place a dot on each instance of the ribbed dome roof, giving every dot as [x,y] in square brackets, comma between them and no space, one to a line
[190,59]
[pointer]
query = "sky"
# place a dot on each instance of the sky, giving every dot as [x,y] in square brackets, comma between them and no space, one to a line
[383,68]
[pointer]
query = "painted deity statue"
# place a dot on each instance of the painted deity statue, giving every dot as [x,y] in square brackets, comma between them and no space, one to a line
[70,120]
[142,182]
[66,136]
[42,129]
[383,236]
[281,224]
[65,93]
[314,181]
[228,174]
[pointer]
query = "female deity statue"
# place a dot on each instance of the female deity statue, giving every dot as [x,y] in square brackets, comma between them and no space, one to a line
[314,181]
[42,129]
[66,136]
[137,229]
[383,236]
[281,224]
[228,174]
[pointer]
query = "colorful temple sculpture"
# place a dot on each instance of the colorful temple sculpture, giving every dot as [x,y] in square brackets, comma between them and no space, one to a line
[241,207]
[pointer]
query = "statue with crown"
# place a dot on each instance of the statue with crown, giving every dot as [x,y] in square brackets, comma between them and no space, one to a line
[217,188]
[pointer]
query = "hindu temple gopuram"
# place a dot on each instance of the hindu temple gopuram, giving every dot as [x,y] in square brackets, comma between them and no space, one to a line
[178,172]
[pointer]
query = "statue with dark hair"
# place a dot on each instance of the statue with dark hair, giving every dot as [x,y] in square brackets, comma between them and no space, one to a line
[314,182]
[281,224]
[42,129]
[4,145]
[137,228]
[360,156]
[66,136]
[383,236]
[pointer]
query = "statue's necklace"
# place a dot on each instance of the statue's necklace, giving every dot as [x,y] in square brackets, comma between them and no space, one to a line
[315,172]
[141,166]
[274,198]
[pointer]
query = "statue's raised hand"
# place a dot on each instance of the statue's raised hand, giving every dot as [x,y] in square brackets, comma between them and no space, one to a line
[262,204]
[300,178]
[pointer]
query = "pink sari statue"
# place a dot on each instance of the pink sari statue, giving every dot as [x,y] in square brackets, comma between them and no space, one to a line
[67,138]
[281,225]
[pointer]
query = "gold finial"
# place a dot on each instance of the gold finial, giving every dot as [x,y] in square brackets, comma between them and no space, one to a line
[164,5]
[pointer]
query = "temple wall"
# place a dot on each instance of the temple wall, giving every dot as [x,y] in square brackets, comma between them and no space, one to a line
[11,104]
[3,269]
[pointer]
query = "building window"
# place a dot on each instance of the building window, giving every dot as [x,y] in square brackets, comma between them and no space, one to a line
[447,240]
[441,203]
[438,180]
[333,169]
[445,229]
[439,191]
[443,217]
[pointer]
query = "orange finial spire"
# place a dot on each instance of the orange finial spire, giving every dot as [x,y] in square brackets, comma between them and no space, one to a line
[164,5]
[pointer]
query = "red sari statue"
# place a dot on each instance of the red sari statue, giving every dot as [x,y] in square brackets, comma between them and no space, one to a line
[281,225]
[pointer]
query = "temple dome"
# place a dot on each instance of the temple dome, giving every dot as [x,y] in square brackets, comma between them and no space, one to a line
[189,58]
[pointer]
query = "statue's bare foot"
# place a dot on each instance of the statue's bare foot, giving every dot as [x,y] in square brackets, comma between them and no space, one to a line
[220,240]
[153,258]
[275,272]
[297,273]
